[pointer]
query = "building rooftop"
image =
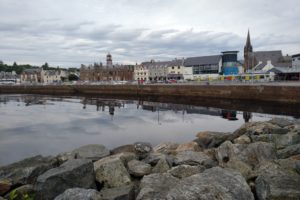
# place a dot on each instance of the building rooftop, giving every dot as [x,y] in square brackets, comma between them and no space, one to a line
[275,57]
[202,60]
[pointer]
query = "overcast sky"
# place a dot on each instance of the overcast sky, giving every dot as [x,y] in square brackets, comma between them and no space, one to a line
[70,32]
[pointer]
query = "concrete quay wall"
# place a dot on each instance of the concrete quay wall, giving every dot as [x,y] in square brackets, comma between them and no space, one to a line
[266,93]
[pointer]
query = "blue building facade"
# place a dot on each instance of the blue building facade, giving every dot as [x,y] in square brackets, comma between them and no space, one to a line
[230,63]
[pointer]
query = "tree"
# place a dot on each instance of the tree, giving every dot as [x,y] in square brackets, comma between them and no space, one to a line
[45,66]
[73,77]
[1,62]
[15,64]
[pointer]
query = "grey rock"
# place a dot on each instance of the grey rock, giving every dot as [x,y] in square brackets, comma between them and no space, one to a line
[122,149]
[79,194]
[252,154]
[20,192]
[214,183]
[93,152]
[281,122]
[208,139]
[64,157]
[189,146]
[111,172]
[119,193]
[244,139]
[138,168]
[142,149]
[1,198]
[192,158]
[277,182]
[156,186]
[73,173]
[288,139]
[166,147]
[125,157]
[26,171]
[183,171]
[153,158]
[289,151]
[257,128]
[161,167]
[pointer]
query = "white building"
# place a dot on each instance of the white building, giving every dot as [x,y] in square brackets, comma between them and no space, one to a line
[296,61]
[175,69]
[204,67]
[141,73]
[53,76]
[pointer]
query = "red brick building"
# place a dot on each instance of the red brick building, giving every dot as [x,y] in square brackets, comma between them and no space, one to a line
[108,72]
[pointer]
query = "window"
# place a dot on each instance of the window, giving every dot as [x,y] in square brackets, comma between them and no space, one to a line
[172,67]
[178,67]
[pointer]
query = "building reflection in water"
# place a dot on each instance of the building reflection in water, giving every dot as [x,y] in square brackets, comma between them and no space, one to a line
[247,116]
[110,105]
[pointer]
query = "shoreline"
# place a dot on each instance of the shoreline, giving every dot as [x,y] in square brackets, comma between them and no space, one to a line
[257,160]
[254,93]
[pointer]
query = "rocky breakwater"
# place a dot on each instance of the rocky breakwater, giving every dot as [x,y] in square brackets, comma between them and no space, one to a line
[260,160]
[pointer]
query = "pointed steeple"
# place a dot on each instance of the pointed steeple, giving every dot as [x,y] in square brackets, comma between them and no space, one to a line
[248,46]
[248,42]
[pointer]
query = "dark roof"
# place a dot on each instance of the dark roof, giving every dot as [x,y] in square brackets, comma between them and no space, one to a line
[296,55]
[275,57]
[177,62]
[203,60]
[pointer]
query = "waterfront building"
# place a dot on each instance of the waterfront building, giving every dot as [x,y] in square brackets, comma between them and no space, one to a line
[108,72]
[176,70]
[31,75]
[202,67]
[53,76]
[9,77]
[141,73]
[230,64]
[296,61]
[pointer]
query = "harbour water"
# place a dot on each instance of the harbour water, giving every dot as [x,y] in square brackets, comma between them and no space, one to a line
[48,125]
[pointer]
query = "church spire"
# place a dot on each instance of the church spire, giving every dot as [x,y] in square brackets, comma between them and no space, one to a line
[248,54]
[248,42]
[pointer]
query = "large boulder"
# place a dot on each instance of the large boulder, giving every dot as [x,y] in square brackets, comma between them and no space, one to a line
[79,193]
[153,158]
[111,172]
[208,139]
[22,193]
[214,183]
[161,167]
[193,158]
[291,138]
[189,146]
[139,168]
[257,128]
[166,147]
[277,181]
[124,148]
[252,154]
[183,171]
[119,193]
[243,139]
[281,122]
[289,151]
[73,173]
[156,186]
[26,171]
[142,149]
[93,152]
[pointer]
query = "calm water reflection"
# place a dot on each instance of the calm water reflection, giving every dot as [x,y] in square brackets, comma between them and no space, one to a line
[47,125]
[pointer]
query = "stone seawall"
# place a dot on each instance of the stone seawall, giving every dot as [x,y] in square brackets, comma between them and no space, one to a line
[283,94]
